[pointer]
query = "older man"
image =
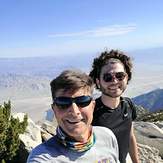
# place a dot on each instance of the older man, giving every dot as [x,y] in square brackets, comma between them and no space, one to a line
[76,140]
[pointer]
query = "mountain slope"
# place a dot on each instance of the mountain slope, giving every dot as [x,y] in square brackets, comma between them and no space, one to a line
[153,101]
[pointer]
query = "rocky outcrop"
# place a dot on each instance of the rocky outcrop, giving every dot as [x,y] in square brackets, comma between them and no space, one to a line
[32,135]
[148,133]
[150,117]
[30,139]
[148,154]
[159,124]
[48,129]
[140,111]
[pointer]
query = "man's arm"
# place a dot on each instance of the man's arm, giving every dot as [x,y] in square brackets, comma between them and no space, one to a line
[133,149]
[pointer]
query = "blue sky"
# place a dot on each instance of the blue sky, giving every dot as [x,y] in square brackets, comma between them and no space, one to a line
[74,27]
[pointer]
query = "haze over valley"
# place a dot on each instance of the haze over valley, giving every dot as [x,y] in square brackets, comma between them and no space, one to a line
[25,81]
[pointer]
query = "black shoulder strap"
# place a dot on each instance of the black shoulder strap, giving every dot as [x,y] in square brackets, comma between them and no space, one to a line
[128,100]
[132,106]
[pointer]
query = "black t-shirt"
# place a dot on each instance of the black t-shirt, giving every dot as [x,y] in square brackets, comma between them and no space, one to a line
[119,120]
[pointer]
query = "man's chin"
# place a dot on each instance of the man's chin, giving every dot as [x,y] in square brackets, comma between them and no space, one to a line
[113,95]
[75,133]
[74,129]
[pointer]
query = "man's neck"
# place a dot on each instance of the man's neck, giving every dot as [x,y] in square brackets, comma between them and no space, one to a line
[110,101]
[85,136]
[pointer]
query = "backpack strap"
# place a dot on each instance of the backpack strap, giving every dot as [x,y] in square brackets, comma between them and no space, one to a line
[132,106]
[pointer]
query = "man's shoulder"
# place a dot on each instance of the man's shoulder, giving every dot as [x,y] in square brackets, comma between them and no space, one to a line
[105,137]
[104,131]
[36,153]
[42,151]
[132,107]
[130,102]
[124,98]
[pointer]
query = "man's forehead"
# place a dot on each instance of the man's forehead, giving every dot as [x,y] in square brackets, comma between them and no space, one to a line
[64,91]
[70,92]
[113,66]
[113,61]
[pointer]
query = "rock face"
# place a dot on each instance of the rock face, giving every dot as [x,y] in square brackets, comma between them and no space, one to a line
[140,111]
[48,129]
[159,124]
[149,134]
[30,139]
[150,117]
[148,154]
[32,135]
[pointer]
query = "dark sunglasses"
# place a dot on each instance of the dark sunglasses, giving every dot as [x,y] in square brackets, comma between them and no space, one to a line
[65,102]
[108,77]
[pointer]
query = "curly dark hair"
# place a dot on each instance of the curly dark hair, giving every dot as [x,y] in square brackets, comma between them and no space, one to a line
[102,60]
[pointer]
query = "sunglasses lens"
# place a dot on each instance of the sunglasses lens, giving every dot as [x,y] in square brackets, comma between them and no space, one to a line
[83,101]
[107,77]
[66,102]
[63,102]
[120,75]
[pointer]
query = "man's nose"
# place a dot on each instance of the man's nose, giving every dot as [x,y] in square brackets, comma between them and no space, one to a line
[74,108]
[114,79]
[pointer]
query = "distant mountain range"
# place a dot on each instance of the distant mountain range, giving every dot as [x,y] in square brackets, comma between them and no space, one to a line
[30,77]
[152,101]
[20,86]
[49,66]
[151,55]
[22,78]
[44,66]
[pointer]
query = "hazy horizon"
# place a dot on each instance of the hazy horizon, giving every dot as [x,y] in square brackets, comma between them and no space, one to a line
[25,81]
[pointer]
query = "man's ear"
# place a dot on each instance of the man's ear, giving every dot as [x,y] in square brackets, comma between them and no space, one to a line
[127,79]
[52,106]
[98,83]
[93,104]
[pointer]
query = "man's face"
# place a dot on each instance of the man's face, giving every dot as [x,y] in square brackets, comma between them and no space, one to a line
[75,120]
[113,79]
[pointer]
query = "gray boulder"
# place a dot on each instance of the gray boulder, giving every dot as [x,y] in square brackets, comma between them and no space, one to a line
[149,134]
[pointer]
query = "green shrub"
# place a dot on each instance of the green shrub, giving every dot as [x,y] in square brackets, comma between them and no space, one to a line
[10,129]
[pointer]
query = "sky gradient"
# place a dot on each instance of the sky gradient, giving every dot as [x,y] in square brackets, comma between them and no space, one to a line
[31,28]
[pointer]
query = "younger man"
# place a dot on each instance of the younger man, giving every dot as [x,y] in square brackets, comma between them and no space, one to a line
[111,72]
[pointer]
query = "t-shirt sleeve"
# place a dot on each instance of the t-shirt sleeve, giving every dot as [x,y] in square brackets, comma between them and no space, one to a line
[133,107]
[112,141]
[38,155]
[114,144]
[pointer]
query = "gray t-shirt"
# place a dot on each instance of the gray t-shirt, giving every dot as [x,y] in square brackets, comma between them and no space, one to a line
[105,150]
